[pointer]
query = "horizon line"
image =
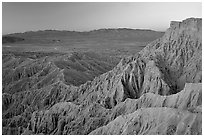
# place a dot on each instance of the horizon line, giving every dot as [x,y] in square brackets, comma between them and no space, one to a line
[91,30]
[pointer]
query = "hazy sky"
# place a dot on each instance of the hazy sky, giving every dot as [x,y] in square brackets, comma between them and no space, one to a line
[21,17]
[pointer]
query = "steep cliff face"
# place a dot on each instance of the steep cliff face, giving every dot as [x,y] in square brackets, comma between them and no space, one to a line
[179,51]
[157,91]
[163,67]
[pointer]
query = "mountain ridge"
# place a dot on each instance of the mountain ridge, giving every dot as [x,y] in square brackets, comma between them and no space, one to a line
[94,30]
[94,34]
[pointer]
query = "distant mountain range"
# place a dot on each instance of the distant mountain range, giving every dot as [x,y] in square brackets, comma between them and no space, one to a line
[122,34]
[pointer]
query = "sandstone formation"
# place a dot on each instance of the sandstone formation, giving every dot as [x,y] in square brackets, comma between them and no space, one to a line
[157,91]
[30,81]
[166,121]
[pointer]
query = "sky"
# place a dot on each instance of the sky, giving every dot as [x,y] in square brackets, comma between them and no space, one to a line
[33,16]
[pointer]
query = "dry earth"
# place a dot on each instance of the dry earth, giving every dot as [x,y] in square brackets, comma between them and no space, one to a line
[155,91]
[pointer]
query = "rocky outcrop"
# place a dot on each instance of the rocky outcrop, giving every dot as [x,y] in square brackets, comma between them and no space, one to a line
[23,73]
[155,69]
[85,119]
[33,82]
[179,49]
[190,98]
[23,104]
[165,121]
